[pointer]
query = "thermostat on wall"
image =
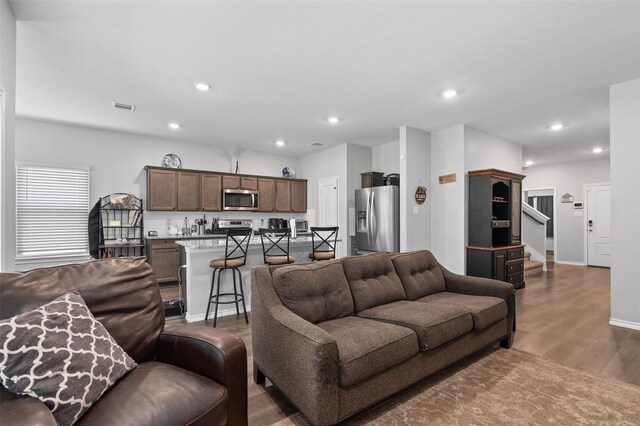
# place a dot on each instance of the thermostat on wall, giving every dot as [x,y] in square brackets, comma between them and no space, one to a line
[578,205]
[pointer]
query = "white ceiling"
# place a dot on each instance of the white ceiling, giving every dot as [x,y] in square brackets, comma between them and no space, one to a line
[279,69]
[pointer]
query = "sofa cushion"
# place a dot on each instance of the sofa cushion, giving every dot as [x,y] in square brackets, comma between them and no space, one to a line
[434,324]
[161,395]
[485,310]
[373,280]
[61,355]
[419,273]
[316,291]
[366,347]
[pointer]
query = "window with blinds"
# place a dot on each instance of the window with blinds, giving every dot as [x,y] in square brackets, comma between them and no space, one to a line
[52,207]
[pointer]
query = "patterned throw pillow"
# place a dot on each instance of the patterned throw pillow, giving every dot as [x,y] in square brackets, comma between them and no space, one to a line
[60,354]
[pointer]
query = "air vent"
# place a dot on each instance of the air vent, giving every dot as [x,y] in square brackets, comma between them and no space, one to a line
[124,107]
[316,144]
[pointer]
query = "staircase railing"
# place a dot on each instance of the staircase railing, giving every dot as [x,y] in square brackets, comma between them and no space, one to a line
[534,233]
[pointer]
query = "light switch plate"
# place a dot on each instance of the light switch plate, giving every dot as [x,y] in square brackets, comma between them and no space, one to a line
[416,210]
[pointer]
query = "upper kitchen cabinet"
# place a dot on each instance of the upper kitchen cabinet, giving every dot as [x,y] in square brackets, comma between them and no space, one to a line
[249,183]
[211,192]
[161,189]
[267,193]
[239,182]
[299,196]
[199,190]
[283,196]
[189,191]
[231,182]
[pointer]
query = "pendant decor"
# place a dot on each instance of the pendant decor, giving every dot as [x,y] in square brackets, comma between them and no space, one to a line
[420,193]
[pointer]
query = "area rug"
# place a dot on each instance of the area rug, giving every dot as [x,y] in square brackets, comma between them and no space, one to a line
[506,387]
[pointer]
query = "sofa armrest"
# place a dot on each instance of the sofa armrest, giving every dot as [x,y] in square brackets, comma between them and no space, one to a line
[24,410]
[215,354]
[299,357]
[463,284]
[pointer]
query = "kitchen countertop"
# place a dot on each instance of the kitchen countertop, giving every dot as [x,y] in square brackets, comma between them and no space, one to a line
[210,244]
[206,236]
[185,237]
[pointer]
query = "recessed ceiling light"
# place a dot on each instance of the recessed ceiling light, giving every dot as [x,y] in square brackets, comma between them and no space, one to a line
[528,163]
[280,142]
[203,87]
[333,120]
[597,150]
[449,93]
[174,126]
[557,126]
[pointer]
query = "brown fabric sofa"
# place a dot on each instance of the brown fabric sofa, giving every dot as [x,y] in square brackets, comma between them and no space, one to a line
[336,337]
[185,374]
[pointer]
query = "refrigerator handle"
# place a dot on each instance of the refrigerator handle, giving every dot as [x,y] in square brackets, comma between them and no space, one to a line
[369,220]
[374,230]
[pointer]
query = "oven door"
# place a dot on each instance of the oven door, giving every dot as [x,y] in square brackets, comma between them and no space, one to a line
[239,199]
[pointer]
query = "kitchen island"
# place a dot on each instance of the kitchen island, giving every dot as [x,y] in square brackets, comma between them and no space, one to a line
[198,253]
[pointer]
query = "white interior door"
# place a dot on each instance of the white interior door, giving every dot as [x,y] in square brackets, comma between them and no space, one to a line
[328,202]
[599,225]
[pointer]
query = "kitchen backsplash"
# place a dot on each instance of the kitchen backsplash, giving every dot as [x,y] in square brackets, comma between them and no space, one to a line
[157,221]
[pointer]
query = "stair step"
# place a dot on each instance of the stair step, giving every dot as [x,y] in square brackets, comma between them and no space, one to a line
[527,255]
[532,267]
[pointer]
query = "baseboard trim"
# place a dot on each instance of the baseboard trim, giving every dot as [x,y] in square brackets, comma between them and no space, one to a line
[568,262]
[221,313]
[625,324]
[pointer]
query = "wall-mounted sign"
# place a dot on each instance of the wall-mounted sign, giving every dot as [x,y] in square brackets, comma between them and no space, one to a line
[447,178]
[421,194]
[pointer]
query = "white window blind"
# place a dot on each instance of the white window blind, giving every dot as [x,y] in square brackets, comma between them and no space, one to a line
[52,211]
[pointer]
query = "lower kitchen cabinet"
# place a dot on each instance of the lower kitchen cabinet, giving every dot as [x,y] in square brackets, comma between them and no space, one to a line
[164,257]
[499,263]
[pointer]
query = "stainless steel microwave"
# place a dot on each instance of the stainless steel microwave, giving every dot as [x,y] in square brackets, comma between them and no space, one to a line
[240,199]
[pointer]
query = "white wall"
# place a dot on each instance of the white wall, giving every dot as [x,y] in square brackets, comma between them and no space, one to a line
[447,201]
[327,163]
[117,163]
[485,151]
[385,158]
[568,178]
[7,138]
[415,228]
[625,176]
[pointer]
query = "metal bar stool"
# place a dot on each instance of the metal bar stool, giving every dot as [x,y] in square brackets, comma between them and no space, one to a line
[235,256]
[326,238]
[277,252]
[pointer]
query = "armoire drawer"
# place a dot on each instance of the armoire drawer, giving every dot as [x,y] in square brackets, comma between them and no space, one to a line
[517,253]
[516,278]
[515,266]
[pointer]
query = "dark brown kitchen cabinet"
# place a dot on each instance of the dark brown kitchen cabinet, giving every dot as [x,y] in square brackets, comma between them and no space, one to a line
[267,193]
[165,260]
[239,182]
[211,193]
[188,191]
[199,190]
[283,196]
[231,182]
[298,196]
[161,190]
[250,183]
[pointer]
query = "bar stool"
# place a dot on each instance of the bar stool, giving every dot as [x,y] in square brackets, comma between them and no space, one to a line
[327,238]
[235,256]
[277,252]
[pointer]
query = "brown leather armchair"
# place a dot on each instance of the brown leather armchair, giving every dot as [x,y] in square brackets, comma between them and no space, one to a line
[186,374]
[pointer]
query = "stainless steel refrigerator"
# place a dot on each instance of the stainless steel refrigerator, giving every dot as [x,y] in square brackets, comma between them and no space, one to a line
[378,219]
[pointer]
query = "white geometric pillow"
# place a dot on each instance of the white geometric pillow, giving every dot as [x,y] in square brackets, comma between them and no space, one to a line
[60,354]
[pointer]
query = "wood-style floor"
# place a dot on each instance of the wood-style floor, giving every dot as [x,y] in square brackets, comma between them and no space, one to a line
[562,315]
